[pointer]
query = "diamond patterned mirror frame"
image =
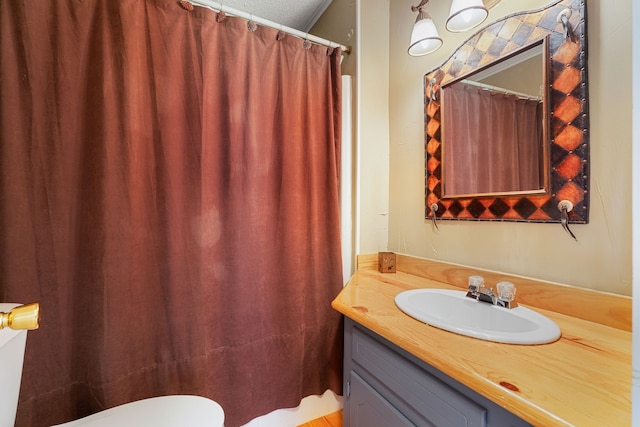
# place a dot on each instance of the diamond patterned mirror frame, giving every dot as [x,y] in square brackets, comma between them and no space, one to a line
[569,132]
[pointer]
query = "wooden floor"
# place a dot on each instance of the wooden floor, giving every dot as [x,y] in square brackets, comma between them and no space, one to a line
[331,420]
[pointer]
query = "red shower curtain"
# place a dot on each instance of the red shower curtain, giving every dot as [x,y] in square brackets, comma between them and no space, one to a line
[492,141]
[169,193]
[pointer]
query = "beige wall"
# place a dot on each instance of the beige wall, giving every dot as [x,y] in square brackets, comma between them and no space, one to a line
[371,120]
[601,259]
[338,24]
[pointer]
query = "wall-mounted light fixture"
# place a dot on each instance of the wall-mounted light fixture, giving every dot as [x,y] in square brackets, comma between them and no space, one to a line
[424,36]
[466,14]
[463,16]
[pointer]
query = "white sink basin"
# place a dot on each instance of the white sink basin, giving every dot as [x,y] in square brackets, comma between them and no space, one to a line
[453,311]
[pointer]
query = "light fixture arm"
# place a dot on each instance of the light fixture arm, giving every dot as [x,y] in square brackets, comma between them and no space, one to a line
[419,7]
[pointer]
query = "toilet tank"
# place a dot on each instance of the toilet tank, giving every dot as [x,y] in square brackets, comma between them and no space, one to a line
[12,344]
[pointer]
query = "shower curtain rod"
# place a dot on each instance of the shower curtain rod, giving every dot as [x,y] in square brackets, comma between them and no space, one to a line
[501,90]
[218,7]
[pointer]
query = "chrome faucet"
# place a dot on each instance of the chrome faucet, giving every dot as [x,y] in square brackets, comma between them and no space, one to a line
[504,298]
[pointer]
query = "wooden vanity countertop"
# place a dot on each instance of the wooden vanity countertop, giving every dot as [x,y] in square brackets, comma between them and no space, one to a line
[583,379]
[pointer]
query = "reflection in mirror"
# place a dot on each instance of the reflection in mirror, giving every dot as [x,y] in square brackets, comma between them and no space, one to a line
[495,127]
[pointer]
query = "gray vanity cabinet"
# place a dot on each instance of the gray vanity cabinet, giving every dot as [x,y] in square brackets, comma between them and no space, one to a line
[385,386]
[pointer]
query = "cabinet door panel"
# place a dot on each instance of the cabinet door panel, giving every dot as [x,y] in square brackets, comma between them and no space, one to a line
[370,409]
[435,401]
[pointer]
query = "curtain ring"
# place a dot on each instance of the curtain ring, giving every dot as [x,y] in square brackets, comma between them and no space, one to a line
[280,34]
[306,44]
[221,15]
[186,5]
[565,206]
[251,25]
[330,48]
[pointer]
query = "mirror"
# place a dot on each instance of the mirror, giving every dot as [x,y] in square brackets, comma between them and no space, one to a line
[554,37]
[494,129]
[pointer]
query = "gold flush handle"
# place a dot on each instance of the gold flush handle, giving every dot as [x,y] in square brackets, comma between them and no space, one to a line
[22,317]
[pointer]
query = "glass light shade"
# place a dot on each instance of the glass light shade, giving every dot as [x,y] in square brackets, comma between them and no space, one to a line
[424,36]
[466,14]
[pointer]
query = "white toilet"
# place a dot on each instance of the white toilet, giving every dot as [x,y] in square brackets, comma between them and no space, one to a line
[164,411]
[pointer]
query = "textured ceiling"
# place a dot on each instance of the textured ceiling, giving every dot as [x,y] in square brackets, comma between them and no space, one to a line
[298,14]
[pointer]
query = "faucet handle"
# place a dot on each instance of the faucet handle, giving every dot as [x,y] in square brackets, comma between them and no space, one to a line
[506,291]
[475,283]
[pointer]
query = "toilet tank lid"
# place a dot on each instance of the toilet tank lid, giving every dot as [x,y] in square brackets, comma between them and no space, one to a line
[7,334]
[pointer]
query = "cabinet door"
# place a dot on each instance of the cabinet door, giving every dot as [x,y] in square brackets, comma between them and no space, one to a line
[420,396]
[367,408]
